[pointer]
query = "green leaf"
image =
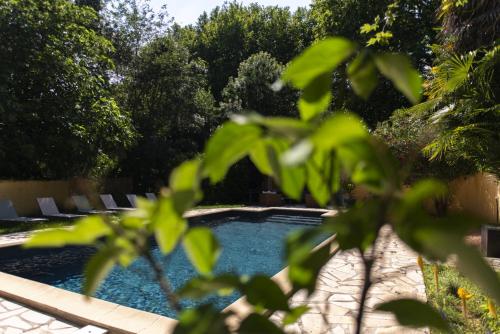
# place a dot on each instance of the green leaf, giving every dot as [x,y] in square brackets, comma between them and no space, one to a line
[258,324]
[168,225]
[229,144]
[322,175]
[281,126]
[398,69]
[469,261]
[263,292]
[294,314]
[199,287]
[98,268]
[202,249]
[298,153]
[260,157]
[293,180]
[339,129]
[316,97]
[186,177]
[362,73]
[320,58]
[84,232]
[413,313]
[202,320]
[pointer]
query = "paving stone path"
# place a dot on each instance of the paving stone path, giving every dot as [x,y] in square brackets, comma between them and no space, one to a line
[17,319]
[333,307]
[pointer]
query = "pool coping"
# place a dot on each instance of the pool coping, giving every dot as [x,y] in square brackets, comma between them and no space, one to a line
[79,309]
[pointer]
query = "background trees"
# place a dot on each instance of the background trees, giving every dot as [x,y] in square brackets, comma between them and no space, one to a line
[251,89]
[413,31]
[171,106]
[57,115]
[233,32]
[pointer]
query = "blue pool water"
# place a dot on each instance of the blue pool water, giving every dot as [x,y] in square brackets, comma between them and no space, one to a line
[249,247]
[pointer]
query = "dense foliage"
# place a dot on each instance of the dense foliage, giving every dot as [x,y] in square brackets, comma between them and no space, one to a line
[171,107]
[58,117]
[251,89]
[463,87]
[233,32]
[412,31]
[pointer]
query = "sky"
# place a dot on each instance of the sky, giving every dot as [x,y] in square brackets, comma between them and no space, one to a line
[187,11]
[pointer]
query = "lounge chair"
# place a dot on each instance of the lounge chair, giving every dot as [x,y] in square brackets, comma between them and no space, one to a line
[8,213]
[83,205]
[49,209]
[151,196]
[110,204]
[132,198]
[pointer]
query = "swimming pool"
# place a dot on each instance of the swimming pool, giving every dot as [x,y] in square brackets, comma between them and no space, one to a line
[250,245]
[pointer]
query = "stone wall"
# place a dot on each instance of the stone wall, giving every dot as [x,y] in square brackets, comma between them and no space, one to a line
[24,193]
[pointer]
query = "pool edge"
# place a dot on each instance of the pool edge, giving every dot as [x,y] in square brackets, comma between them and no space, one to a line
[81,310]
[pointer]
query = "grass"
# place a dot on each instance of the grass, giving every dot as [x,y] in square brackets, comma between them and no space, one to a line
[13,227]
[447,301]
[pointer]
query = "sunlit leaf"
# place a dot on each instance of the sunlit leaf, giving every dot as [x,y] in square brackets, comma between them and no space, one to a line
[316,97]
[168,225]
[186,178]
[199,287]
[294,314]
[399,70]
[263,292]
[320,58]
[202,249]
[298,153]
[84,232]
[259,154]
[319,177]
[229,144]
[413,313]
[339,129]
[98,268]
[293,180]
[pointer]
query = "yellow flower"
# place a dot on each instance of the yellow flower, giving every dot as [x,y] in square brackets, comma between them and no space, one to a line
[463,294]
[420,262]
[492,309]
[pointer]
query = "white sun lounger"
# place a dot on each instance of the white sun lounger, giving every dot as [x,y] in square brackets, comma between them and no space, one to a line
[110,204]
[8,213]
[49,209]
[83,205]
[151,196]
[132,198]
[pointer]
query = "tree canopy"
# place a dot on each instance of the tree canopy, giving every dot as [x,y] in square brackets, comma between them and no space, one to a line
[58,117]
[171,107]
[251,89]
[233,32]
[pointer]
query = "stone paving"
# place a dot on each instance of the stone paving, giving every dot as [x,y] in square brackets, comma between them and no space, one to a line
[334,306]
[17,319]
